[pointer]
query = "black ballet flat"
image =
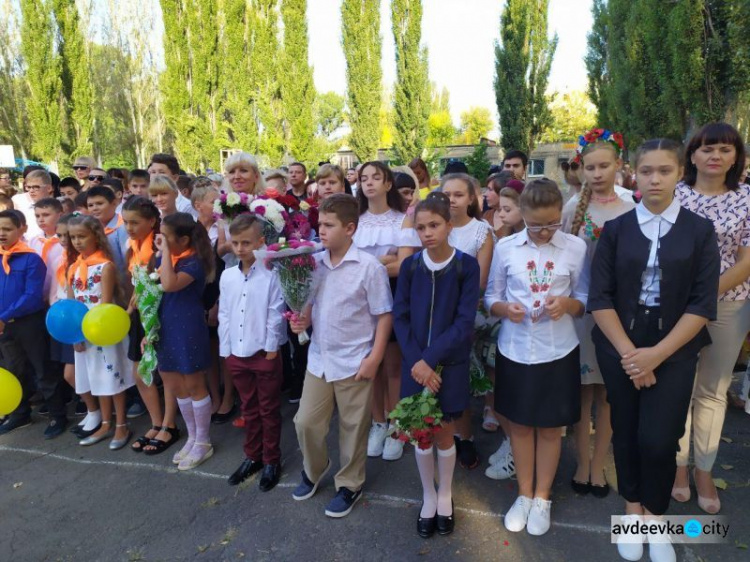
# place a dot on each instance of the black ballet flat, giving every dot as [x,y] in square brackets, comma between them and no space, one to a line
[426,525]
[600,490]
[446,523]
[581,488]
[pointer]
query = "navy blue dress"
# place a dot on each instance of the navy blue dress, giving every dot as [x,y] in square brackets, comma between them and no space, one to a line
[183,345]
[433,317]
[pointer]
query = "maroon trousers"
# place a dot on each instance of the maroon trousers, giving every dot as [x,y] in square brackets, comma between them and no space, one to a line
[258,381]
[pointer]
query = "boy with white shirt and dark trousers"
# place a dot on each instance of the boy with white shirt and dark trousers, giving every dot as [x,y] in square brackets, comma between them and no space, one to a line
[251,330]
[351,320]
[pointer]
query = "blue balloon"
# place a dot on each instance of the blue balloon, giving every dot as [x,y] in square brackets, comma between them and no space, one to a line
[65,321]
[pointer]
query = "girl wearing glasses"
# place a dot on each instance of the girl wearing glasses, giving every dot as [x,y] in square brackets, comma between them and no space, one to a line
[584,216]
[536,282]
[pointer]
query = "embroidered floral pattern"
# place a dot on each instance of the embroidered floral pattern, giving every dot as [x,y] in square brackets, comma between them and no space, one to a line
[539,286]
[590,229]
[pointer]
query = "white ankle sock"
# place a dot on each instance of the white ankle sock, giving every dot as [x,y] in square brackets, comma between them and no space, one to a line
[426,466]
[446,464]
[92,420]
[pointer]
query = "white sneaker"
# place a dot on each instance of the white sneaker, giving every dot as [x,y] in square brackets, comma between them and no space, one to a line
[518,514]
[393,449]
[538,521]
[660,547]
[501,453]
[376,440]
[502,470]
[630,545]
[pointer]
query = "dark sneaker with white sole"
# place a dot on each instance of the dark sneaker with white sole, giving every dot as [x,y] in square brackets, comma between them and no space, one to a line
[343,502]
[307,487]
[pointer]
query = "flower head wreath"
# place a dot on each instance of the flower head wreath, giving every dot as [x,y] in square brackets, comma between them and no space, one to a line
[599,135]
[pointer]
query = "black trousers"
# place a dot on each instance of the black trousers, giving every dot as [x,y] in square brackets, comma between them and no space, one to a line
[25,341]
[647,424]
[294,358]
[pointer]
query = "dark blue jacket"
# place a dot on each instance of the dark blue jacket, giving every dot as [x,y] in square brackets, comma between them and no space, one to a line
[22,290]
[689,262]
[433,312]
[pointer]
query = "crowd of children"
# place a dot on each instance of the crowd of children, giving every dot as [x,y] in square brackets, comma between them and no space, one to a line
[599,299]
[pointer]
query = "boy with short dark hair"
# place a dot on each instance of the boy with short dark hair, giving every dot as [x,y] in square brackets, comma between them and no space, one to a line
[81,203]
[138,181]
[23,335]
[48,212]
[115,184]
[351,320]
[102,205]
[70,187]
[251,330]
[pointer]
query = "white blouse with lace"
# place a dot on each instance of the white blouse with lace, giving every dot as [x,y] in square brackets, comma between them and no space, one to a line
[382,235]
[470,237]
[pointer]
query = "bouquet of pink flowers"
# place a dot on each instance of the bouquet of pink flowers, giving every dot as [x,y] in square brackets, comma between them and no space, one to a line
[295,265]
[231,205]
[416,419]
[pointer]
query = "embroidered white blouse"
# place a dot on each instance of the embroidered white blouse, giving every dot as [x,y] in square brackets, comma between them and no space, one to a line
[525,273]
[383,234]
[470,237]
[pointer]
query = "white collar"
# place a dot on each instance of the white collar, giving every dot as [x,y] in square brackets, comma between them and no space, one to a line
[558,239]
[669,214]
[352,254]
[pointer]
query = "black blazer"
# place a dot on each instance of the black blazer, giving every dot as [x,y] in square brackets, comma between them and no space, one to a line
[689,262]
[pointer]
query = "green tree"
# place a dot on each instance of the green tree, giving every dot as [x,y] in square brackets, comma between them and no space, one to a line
[476,122]
[412,90]
[361,40]
[76,82]
[440,128]
[478,162]
[297,88]
[597,64]
[523,59]
[43,66]
[329,113]
[572,115]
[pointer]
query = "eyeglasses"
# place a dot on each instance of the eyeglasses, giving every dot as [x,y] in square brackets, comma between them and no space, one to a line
[549,227]
[96,178]
[80,167]
[34,187]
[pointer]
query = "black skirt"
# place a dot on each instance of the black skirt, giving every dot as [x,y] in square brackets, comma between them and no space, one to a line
[137,333]
[542,395]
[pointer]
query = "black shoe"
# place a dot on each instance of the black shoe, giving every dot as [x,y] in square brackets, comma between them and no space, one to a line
[271,476]
[600,491]
[81,433]
[245,471]
[580,488]
[55,428]
[445,523]
[43,410]
[468,457]
[426,525]
[219,419]
[14,422]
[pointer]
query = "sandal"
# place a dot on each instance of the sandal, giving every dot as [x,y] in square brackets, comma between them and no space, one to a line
[195,457]
[143,440]
[489,423]
[161,446]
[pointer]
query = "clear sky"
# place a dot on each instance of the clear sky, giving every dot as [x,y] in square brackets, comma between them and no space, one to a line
[460,37]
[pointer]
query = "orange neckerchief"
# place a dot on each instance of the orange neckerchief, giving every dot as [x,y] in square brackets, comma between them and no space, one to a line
[47,244]
[141,251]
[60,273]
[108,230]
[81,265]
[19,247]
[176,258]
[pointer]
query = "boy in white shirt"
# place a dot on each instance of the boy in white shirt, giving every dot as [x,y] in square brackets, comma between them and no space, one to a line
[251,330]
[47,213]
[351,320]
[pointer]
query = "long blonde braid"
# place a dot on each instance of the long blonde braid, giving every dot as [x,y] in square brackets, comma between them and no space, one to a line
[583,204]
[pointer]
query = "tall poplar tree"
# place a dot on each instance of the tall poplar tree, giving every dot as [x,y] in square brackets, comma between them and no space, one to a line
[77,88]
[412,98]
[523,59]
[43,67]
[297,87]
[361,39]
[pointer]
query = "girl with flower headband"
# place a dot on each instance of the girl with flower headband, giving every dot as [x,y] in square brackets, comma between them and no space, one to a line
[584,216]
[536,282]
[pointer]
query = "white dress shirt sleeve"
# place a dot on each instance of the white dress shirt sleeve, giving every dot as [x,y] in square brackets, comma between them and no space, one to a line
[497,281]
[275,323]
[225,344]
[379,296]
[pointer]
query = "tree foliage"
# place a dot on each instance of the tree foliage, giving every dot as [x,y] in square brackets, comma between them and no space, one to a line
[523,58]
[572,115]
[361,40]
[476,122]
[412,90]
[479,163]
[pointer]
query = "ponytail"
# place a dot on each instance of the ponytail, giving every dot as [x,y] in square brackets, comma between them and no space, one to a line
[146,209]
[183,224]
[580,214]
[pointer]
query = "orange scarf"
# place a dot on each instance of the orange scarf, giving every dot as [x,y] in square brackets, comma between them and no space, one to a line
[176,258]
[60,273]
[47,244]
[81,265]
[108,230]
[141,251]
[19,247]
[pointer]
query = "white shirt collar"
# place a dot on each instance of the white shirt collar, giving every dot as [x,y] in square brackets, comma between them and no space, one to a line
[669,214]
[352,254]
[558,239]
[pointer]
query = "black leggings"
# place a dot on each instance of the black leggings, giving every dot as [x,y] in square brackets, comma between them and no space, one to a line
[647,424]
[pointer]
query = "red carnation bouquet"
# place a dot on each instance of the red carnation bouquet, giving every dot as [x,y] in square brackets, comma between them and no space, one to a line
[416,419]
[295,265]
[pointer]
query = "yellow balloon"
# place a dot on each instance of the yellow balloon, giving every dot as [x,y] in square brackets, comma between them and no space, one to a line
[106,324]
[10,392]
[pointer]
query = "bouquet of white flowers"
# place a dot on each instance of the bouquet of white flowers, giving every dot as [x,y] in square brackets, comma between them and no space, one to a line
[148,293]
[274,215]
[230,205]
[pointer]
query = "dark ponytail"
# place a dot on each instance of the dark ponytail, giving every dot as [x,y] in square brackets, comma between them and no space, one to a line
[146,210]
[183,224]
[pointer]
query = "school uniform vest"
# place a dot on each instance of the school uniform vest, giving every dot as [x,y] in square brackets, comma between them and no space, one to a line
[689,267]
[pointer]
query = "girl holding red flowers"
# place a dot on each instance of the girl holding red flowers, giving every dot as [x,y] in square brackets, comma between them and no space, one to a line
[105,372]
[537,285]
[584,216]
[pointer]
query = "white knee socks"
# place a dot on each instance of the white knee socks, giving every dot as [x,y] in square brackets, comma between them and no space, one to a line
[426,466]
[202,415]
[446,463]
